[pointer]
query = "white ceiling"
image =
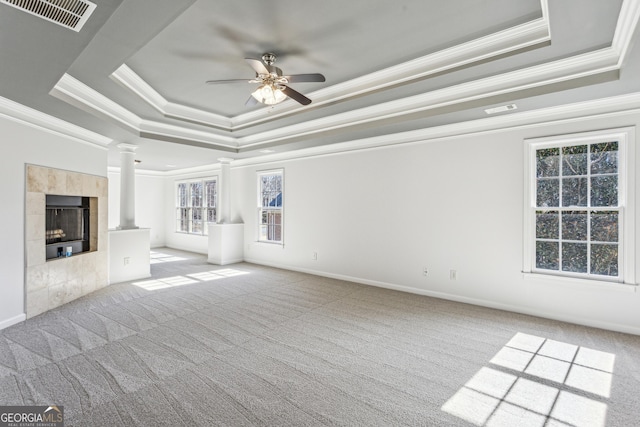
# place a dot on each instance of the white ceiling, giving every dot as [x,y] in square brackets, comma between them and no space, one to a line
[136,72]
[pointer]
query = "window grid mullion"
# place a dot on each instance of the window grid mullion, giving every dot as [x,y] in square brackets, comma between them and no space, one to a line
[587,208]
[560,210]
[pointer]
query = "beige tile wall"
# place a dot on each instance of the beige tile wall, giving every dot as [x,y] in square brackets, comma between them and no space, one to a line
[49,284]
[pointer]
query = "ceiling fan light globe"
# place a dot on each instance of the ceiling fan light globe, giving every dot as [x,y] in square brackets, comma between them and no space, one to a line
[269,95]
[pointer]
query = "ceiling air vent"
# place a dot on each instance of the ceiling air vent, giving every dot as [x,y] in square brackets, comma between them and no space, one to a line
[68,13]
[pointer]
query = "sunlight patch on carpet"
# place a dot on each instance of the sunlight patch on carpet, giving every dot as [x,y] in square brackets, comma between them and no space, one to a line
[159,258]
[533,382]
[189,279]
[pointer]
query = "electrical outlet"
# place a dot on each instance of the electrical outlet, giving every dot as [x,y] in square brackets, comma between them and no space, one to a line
[453,275]
[425,271]
[314,255]
[126,260]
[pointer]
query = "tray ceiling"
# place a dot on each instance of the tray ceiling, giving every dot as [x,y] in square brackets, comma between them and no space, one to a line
[390,67]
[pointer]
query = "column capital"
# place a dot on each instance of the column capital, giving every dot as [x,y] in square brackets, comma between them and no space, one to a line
[127,148]
[225,160]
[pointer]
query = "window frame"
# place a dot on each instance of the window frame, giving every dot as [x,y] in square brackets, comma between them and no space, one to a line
[626,203]
[204,208]
[260,207]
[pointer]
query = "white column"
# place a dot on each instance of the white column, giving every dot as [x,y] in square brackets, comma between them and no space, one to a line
[224,192]
[127,187]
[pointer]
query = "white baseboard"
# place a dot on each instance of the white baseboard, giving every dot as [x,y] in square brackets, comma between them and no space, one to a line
[628,329]
[225,262]
[12,321]
[128,278]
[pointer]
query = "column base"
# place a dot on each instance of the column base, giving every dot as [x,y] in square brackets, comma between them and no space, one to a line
[226,243]
[127,227]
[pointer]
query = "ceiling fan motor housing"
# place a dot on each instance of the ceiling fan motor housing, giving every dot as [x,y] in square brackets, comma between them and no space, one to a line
[269,58]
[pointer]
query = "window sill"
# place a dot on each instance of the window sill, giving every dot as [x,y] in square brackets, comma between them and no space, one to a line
[185,233]
[268,244]
[578,283]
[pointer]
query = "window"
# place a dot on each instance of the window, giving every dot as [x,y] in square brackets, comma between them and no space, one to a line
[270,206]
[577,187]
[196,205]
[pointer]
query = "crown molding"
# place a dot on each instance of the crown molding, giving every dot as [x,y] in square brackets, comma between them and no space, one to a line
[625,28]
[34,118]
[502,42]
[77,93]
[537,31]
[578,66]
[575,112]
[575,67]
[71,89]
[583,65]
[126,77]
[164,130]
[130,80]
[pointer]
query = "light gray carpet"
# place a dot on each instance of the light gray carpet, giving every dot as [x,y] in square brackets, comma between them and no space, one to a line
[247,345]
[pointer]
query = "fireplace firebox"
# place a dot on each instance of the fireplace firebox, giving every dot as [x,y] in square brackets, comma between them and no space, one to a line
[67,225]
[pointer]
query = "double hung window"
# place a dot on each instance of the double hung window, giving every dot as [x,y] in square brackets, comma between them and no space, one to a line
[196,203]
[577,206]
[270,206]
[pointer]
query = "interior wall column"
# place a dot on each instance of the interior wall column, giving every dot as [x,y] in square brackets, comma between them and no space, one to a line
[127,187]
[224,194]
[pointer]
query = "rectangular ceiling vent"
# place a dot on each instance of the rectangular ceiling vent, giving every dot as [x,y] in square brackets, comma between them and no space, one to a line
[68,13]
[501,108]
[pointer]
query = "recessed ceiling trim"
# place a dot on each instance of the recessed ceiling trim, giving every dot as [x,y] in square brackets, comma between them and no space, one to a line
[625,28]
[565,69]
[71,14]
[125,76]
[168,130]
[74,91]
[77,93]
[481,49]
[34,118]
[562,70]
[615,106]
[576,112]
[502,42]
[130,80]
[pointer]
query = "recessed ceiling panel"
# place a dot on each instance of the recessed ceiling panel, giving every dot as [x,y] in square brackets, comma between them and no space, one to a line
[342,40]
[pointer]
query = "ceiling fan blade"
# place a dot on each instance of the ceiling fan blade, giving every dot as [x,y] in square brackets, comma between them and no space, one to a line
[229,81]
[295,95]
[305,78]
[251,101]
[257,66]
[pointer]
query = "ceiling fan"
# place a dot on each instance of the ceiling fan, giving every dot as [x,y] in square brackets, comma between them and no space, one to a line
[273,84]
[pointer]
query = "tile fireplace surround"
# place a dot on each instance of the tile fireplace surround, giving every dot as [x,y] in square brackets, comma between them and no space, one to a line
[49,284]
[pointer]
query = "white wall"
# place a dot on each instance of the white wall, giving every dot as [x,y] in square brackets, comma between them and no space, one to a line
[379,216]
[24,144]
[150,203]
[129,257]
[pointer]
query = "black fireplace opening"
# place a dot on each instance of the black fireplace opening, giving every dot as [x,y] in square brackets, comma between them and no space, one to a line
[67,225]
